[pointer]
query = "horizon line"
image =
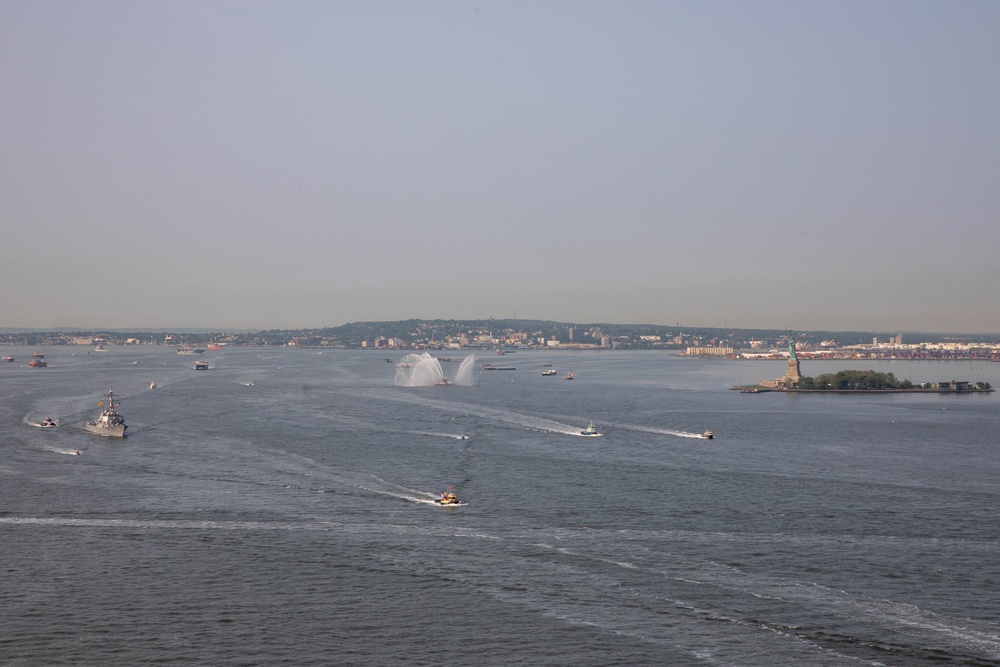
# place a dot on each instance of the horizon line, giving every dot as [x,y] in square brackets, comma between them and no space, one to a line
[203,329]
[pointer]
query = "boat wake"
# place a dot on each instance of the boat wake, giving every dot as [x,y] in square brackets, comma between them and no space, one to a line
[433,434]
[474,410]
[382,487]
[660,431]
[57,450]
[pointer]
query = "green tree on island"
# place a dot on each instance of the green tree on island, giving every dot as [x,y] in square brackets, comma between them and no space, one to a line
[853,381]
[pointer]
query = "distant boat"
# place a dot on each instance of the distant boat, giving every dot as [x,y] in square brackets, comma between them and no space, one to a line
[201,365]
[708,435]
[215,346]
[590,430]
[38,355]
[551,371]
[100,348]
[569,376]
[8,358]
[152,385]
[37,363]
[190,350]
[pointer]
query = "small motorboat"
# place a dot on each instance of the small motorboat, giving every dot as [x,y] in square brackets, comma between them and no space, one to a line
[569,376]
[448,497]
[152,385]
[708,435]
[48,422]
[590,430]
[551,371]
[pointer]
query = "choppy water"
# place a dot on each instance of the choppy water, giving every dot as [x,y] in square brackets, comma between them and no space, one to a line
[276,509]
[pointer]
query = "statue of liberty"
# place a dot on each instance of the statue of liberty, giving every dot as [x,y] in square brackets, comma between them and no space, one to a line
[793,374]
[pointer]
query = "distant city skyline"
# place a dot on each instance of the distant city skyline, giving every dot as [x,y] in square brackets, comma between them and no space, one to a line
[260,165]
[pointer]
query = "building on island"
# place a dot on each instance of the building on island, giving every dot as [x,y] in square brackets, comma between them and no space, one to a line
[709,351]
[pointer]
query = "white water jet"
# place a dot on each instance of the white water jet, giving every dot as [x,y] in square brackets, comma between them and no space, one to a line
[423,370]
[419,370]
[465,376]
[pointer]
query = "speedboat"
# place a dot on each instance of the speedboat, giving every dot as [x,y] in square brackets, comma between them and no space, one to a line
[110,423]
[448,498]
[590,430]
[551,371]
[48,422]
[152,385]
[708,435]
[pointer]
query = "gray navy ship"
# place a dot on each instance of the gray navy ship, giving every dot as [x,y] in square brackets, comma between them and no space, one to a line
[110,423]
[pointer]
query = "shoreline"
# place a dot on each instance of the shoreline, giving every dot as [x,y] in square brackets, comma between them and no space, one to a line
[917,390]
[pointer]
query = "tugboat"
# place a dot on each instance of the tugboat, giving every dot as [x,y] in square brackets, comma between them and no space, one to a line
[590,430]
[110,423]
[708,435]
[448,497]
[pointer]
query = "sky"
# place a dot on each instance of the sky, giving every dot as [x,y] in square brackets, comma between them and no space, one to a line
[259,165]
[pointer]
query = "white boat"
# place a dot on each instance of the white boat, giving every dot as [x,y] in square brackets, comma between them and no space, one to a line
[152,385]
[201,365]
[110,423]
[48,422]
[100,348]
[708,435]
[590,430]
[551,371]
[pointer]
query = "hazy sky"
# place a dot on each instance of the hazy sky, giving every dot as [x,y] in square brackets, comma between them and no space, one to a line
[801,165]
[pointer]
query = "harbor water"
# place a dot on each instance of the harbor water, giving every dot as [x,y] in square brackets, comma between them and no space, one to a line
[278,509]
